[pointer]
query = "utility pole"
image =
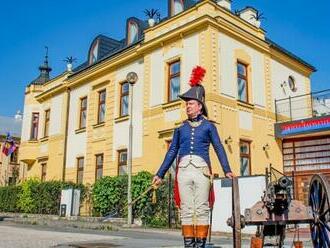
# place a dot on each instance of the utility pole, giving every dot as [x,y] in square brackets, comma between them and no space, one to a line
[131,79]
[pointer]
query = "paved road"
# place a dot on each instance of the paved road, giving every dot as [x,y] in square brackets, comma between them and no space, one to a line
[24,236]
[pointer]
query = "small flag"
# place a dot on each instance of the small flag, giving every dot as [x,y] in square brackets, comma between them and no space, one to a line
[9,146]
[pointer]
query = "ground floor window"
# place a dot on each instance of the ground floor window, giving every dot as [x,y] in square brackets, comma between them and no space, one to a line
[245,158]
[99,166]
[43,172]
[80,169]
[306,154]
[122,162]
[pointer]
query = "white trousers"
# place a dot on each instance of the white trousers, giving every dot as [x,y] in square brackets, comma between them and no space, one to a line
[194,188]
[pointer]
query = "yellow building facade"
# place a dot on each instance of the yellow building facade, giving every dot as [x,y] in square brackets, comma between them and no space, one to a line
[75,126]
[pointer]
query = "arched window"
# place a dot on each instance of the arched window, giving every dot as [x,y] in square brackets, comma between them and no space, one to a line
[292,83]
[177,6]
[133,32]
[94,52]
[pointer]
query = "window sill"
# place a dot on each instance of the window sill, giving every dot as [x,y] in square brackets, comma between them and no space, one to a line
[173,104]
[122,118]
[44,139]
[80,130]
[99,125]
[245,105]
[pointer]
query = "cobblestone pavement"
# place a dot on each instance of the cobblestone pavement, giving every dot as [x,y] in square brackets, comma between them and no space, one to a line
[24,236]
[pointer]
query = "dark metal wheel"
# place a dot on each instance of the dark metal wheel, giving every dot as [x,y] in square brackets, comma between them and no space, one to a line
[319,201]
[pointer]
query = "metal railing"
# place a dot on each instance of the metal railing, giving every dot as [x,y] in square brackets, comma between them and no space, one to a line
[300,107]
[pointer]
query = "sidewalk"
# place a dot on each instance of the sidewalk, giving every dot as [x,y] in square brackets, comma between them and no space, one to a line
[94,223]
[83,224]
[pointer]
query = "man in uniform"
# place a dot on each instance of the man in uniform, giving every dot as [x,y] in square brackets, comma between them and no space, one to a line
[191,142]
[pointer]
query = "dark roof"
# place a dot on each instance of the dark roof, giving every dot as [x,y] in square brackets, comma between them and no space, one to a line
[106,45]
[86,65]
[44,72]
[41,79]
[109,47]
[189,3]
[290,54]
[10,125]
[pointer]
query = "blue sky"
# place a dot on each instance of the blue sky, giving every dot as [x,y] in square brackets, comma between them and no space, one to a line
[68,28]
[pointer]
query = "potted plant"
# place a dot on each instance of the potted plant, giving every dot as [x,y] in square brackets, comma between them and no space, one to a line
[257,17]
[151,16]
[69,61]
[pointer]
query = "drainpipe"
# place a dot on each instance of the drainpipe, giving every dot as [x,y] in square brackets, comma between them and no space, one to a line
[66,131]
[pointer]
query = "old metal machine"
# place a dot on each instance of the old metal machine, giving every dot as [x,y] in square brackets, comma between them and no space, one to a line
[277,210]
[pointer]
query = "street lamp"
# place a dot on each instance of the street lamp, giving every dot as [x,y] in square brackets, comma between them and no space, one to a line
[131,78]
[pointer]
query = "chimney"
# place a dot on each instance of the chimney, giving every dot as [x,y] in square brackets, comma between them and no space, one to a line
[225,4]
[251,15]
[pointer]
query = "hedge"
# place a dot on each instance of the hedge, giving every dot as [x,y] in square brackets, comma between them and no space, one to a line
[9,198]
[34,196]
[109,197]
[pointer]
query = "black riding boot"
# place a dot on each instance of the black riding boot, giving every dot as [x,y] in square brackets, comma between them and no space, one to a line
[200,242]
[189,242]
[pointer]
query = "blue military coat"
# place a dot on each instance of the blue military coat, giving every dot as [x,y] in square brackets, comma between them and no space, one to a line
[189,140]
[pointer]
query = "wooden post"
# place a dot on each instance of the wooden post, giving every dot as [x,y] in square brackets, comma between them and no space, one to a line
[236,214]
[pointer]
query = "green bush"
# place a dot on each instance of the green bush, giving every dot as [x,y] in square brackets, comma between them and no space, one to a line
[9,198]
[26,198]
[43,197]
[109,196]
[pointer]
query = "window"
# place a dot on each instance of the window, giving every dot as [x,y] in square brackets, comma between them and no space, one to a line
[43,172]
[47,119]
[122,162]
[34,126]
[242,82]
[178,7]
[174,81]
[245,158]
[80,169]
[101,108]
[133,32]
[124,97]
[99,166]
[94,52]
[292,83]
[83,112]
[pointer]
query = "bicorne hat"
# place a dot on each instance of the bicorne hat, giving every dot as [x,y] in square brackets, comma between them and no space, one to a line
[197,91]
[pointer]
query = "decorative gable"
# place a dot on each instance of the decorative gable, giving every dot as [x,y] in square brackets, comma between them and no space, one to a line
[177,6]
[134,30]
[101,47]
[93,56]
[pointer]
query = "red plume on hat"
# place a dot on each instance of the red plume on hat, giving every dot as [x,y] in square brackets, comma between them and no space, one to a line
[197,76]
[196,91]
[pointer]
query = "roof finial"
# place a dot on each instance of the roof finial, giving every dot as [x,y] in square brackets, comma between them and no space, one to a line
[46,56]
[44,71]
[45,68]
